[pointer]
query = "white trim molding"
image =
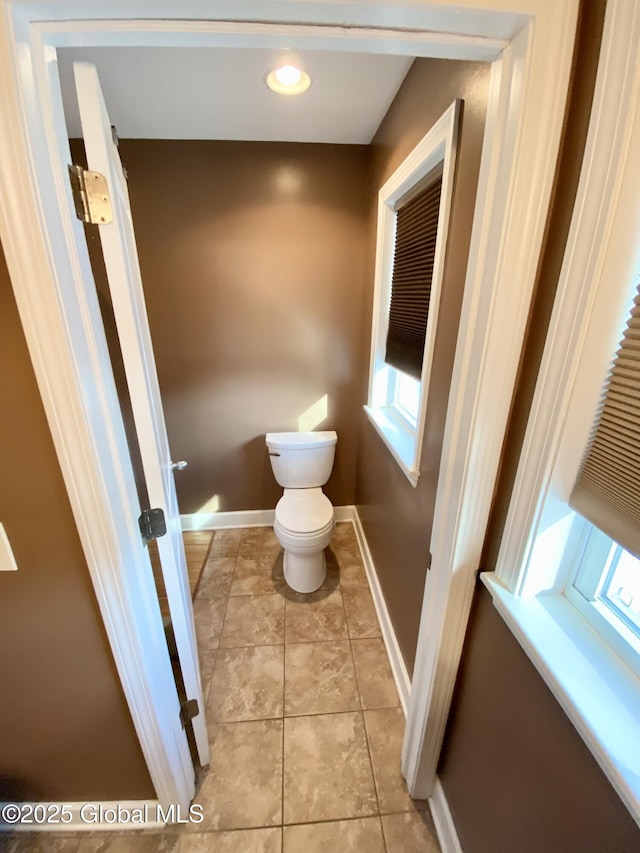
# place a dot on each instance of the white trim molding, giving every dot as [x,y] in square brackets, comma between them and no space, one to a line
[605,223]
[522,138]
[396,660]
[246,518]
[64,332]
[596,283]
[439,146]
[443,820]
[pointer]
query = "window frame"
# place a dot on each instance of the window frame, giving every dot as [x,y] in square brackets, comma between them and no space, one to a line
[603,617]
[598,691]
[439,145]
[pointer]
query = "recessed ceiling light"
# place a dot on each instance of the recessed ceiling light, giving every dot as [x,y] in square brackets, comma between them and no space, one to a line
[288,80]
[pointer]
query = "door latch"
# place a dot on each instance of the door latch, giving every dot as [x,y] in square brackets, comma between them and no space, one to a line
[152,524]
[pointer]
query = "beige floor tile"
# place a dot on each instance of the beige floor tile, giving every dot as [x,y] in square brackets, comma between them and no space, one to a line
[196,551]
[216,577]
[258,574]
[351,570]
[238,841]
[332,579]
[314,617]
[410,833]
[327,772]
[344,537]
[320,678]
[375,680]
[247,684]
[226,543]
[208,615]
[363,835]
[253,620]
[385,730]
[258,540]
[207,659]
[362,620]
[243,788]
[39,842]
[129,842]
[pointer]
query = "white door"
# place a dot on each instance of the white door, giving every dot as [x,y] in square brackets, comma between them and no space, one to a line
[125,284]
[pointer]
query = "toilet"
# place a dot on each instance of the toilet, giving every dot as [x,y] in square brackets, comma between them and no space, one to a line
[304,520]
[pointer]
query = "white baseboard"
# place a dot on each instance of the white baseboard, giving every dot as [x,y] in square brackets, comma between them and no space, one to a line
[219,520]
[443,821]
[246,518]
[398,668]
[87,816]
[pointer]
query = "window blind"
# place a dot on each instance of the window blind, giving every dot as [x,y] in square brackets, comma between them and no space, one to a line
[413,258]
[607,491]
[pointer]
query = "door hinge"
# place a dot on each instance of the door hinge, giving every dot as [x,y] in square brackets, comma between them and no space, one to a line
[90,196]
[188,710]
[152,524]
[429,561]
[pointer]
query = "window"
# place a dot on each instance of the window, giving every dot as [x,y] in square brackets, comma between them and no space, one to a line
[568,576]
[413,216]
[604,585]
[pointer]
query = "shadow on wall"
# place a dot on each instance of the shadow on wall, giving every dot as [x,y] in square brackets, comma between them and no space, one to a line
[15,789]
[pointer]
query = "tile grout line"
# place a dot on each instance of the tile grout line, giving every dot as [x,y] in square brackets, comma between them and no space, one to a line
[283,716]
[364,725]
[284,683]
[224,616]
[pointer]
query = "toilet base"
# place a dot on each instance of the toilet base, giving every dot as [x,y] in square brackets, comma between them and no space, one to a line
[304,572]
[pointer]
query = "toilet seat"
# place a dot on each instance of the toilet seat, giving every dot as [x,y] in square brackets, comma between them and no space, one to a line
[304,512]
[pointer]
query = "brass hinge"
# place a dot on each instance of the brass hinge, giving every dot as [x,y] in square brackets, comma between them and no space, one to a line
[90,196]
[188,710]
[152,524]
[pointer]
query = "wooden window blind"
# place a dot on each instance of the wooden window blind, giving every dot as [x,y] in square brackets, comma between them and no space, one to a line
[413,259]
[607,491]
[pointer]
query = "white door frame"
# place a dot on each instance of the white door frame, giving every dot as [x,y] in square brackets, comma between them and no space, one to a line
[530,43]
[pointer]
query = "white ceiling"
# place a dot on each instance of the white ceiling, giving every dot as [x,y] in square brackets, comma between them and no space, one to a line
[220,93]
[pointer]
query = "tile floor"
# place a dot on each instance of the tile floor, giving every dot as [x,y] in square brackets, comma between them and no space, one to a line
[304,719]
[196,548]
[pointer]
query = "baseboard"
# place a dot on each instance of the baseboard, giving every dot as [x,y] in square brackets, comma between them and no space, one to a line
[344,513]
[219,520]
[246,518]
[87,817]
[398,668]
[443,821]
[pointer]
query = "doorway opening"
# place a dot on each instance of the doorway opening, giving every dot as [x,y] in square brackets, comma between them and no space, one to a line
[516,177]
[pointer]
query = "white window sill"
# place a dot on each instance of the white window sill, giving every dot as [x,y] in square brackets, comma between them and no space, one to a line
[598,692]
[401,442]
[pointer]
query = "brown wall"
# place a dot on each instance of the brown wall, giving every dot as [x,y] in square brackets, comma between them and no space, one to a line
[252,256]
[396,517]
[516,774]
[65,730]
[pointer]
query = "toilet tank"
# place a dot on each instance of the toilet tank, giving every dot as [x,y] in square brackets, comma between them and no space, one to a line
[301,460]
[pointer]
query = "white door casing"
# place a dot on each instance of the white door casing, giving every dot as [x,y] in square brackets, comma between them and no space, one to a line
[47,264]
[125,284]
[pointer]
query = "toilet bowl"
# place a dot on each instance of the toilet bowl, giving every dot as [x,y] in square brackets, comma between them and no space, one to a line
[304,525]
[304,517]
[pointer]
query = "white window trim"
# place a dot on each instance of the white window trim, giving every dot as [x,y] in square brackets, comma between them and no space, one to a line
[599,693]
[603,618]
[439,145]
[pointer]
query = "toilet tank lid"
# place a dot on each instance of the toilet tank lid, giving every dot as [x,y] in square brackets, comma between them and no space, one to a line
[300,440]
